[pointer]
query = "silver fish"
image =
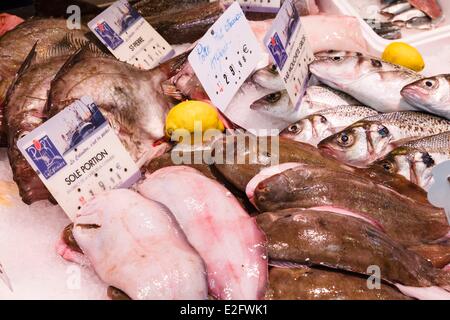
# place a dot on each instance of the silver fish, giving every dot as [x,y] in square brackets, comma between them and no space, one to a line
[372,138]
[321,125]
[420,23]
[277,104]
[395,9]
[430,94]
[415,160]
[402,18]
[269,78]
[373,82]
[4,278]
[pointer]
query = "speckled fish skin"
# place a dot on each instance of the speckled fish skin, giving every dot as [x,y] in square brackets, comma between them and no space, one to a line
[415,160]
[430,95]
[17,43]
[240,174]
[135,244]
[372,138]
[373,82]
[322,284]
[226,237]
[130,98]
[318,126]
[316,238]
[403,219]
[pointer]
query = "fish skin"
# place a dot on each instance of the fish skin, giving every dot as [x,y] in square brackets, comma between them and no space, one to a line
[403,219]
[396,8]
[430,95]
[430,7]
[416,159]
[420,23]
[293,233]
[318,126]
[406,16]
[322,284]
[257,155]
[17,43]
[373,82]
[131,99]
[370,139]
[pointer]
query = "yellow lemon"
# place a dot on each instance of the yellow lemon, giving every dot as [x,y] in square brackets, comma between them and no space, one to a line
[193,116]
[405,55]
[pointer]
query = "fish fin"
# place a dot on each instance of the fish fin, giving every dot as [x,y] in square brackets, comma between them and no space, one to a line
[287,264]
[169,89]
[29,60]
[5,279]
[173,66]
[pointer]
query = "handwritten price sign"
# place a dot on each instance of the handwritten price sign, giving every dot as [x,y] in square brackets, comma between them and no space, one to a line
[225,56]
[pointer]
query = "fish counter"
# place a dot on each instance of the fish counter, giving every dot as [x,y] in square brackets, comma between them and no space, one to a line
[221,150]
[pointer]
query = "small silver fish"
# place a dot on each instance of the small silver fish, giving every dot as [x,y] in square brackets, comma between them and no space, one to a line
[420,23]
[372,138]
[396,8]
[277,104]
[318,126]
[404,17]
[269,78]
[415,160]
[4,278]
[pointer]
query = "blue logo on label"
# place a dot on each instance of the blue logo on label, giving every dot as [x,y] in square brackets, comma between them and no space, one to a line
[277,50]
[111,38]
[46,157]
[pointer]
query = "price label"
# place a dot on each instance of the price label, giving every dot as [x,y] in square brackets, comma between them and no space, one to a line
[77,154]
[255,5]
[287,44]
[129,37]
[225,56]
[439,192]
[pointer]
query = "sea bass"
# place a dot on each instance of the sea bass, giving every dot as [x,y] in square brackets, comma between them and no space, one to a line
[373,82]
[131,99]
[430,94]
[403,219]
[373,137]
[415,160]
[318,126]
[305,283]
[292,238]
[16,45]
[126,239]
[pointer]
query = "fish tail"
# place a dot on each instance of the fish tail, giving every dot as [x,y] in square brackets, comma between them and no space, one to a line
[169,89]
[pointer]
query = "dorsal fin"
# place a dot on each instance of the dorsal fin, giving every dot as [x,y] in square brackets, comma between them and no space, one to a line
[22,70]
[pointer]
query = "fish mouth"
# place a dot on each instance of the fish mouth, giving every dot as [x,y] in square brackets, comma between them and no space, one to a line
[413,95]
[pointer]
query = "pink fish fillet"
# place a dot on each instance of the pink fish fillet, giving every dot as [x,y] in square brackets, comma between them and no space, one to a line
[8,22]
[430,7]
[136,245]
[226,237]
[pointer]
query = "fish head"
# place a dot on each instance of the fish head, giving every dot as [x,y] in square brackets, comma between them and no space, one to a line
[433,92]
[268,78]
[341,71]
[271,102]
[396,162]
[311,129]
[358,145]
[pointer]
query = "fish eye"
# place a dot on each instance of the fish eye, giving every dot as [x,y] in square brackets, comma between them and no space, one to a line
[383,131]
[429,83]
[273,97]
[294,128]
[345,139]
[323,119]
[428,159]
[273,68]
[338,58]
[376,63]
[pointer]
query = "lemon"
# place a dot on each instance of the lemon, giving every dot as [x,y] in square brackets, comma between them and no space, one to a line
[405,55]
[193,116]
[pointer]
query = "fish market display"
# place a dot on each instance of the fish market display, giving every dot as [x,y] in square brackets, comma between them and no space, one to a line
[17,44]
[415,160]
[318,126]
[228,240]
[305,283]
[8,22]
[373,137]
[403,219]
[315,238]
[127,241]
[373,82]
[430,95]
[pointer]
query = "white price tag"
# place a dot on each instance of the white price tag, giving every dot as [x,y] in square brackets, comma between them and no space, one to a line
[129,37]
[439,192]
[289,47]
[225,56]
[77,154]
[256,5]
